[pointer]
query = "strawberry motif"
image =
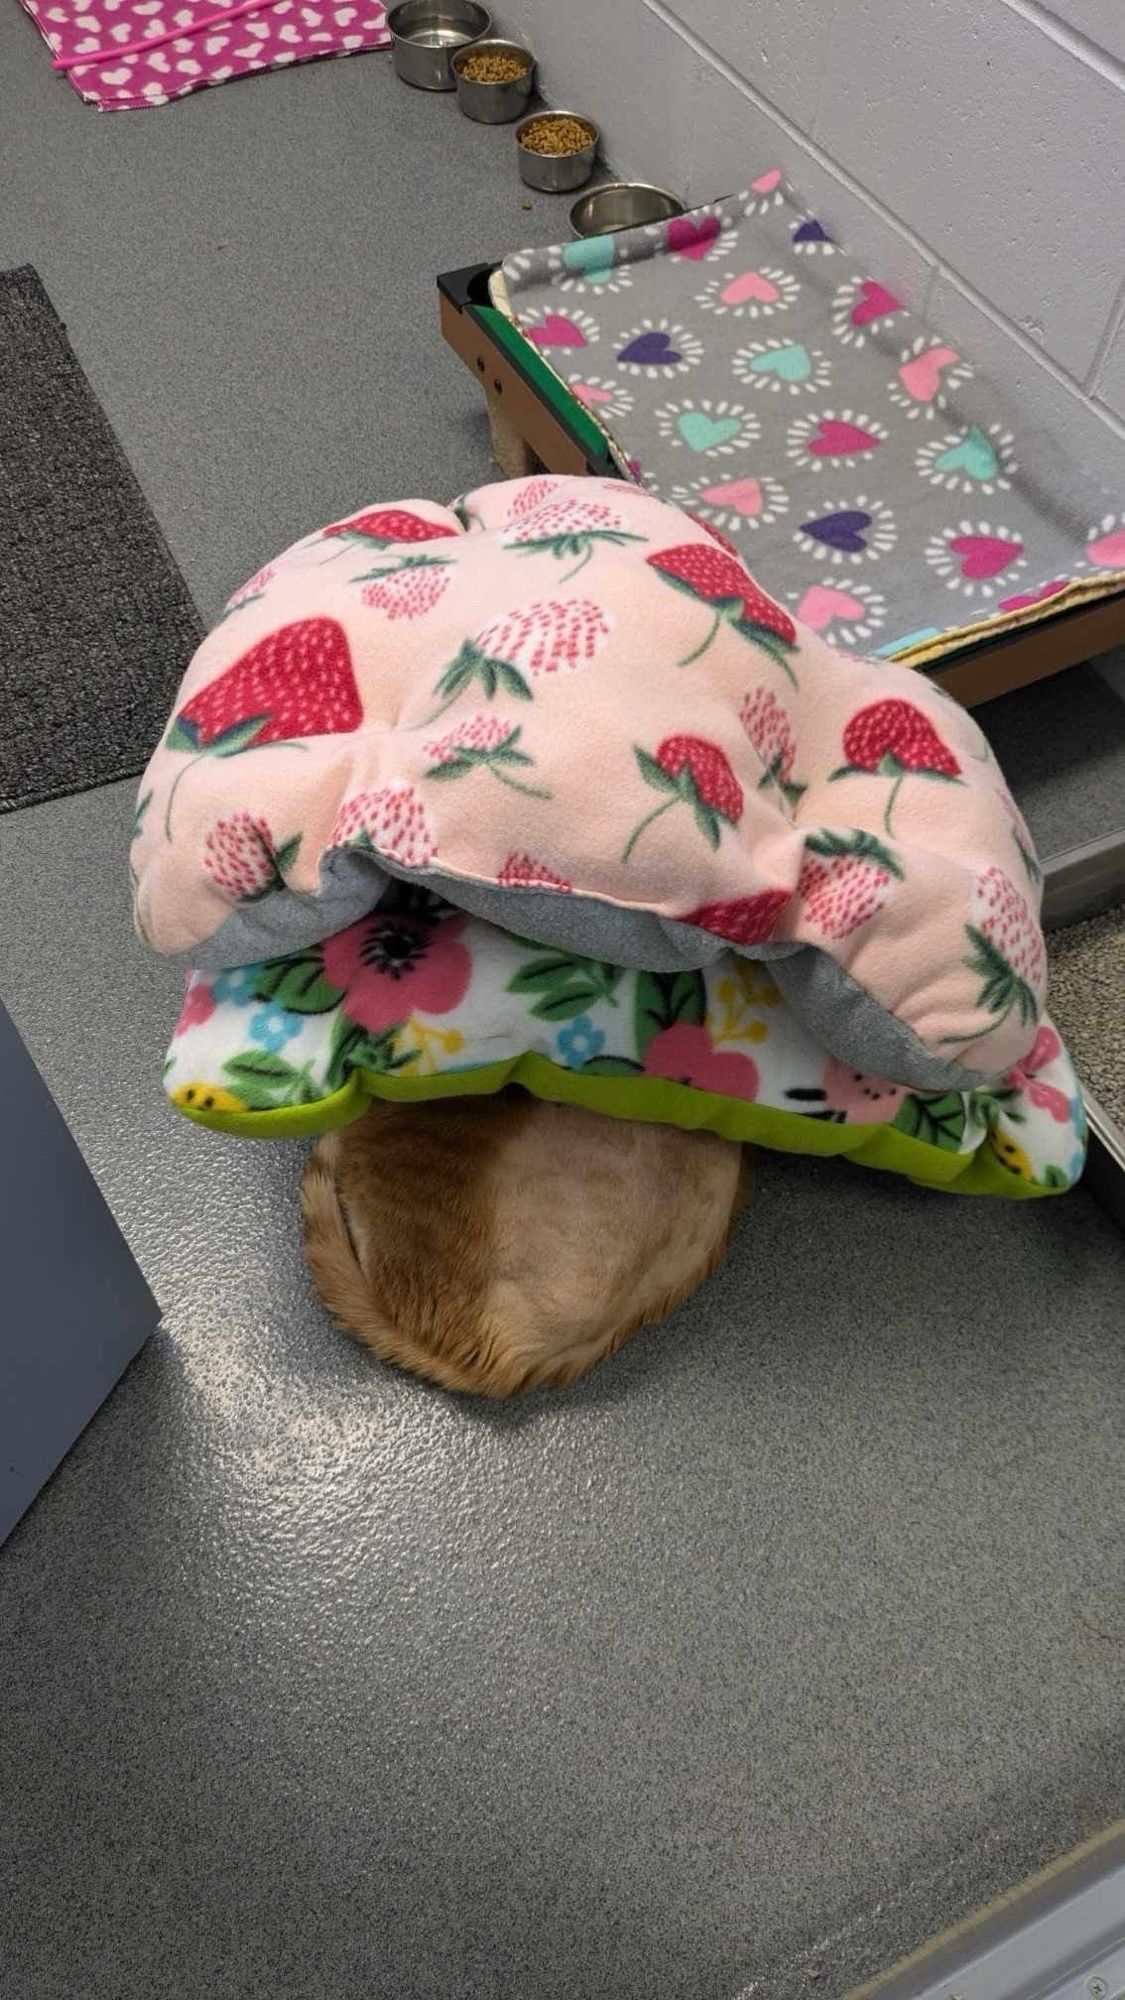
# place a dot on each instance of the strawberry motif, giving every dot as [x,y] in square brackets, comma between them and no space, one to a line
[483,742]
[410,590]
[240,857]
[521,872]
[744,920]
[478,737]
[1008,952]
[844,880]
[249,592]
[716,534]
[712,778]
[392,820]
[894,739]
[719,579]
[297,681]
[532,493]
[552,636]
[770,730]
[695,773]
[385,525]
[1021,834]
[566,528]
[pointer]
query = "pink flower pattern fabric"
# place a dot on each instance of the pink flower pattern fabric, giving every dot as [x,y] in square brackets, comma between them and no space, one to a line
[130,55]
[607,736]
[417,1000]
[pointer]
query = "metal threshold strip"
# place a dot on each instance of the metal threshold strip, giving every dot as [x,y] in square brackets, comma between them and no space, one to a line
[1078,884]
[1061,1936]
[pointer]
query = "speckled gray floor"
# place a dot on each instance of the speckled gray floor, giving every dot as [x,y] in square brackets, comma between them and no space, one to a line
[787,1638]
[1088,1003]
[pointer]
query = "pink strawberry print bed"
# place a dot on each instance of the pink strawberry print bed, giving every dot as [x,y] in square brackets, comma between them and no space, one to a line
[567,707]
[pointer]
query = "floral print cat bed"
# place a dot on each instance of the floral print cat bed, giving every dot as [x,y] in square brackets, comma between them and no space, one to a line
[566,707]
[421,1001]
[740,362]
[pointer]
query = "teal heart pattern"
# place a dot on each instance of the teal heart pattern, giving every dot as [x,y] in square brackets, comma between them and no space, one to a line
[591,257]
[704,433]
[974,456]
[792,363]
[783,365]
[975,461]
[708,427]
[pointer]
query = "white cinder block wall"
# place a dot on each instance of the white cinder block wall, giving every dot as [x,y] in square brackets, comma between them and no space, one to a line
[971,152]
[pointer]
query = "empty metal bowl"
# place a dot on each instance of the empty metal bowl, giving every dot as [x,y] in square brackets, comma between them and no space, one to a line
[425,34]
[622,205]
[556,173]
[494,103]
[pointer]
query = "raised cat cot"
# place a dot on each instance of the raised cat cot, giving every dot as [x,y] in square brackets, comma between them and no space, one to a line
[737,361]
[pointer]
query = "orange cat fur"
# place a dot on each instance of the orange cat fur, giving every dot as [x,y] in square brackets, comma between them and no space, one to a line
[499,1244]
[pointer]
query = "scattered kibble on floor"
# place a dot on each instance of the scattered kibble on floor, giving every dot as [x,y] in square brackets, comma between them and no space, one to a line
[501,68]
[556,135]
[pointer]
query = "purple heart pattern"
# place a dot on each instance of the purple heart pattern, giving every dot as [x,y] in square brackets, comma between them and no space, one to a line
[809,416]
[858,531]
[658,349]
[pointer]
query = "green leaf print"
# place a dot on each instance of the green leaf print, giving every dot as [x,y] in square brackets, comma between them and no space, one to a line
[488,672]
[655,775]
[484,743]
[183,735]
[863,846]
[1001,986]
[353,1047]
[566,986]
[611,1066]
[264,1082]
[664,998]
[995,1100]
[937,1120]
[578,543]
[298,984]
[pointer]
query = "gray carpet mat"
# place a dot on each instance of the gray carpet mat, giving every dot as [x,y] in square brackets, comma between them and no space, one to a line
[97,623]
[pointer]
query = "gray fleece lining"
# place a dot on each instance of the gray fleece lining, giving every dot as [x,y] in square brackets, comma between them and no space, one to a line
[832,1006]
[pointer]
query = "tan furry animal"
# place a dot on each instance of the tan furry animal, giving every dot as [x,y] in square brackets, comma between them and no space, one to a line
[497,1244]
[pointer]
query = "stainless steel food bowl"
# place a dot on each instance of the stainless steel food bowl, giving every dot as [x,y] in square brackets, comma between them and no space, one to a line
[622,205]
[557,173]
[425,34]
[493,103]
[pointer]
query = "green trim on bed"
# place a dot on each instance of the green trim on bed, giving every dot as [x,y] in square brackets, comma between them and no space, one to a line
[652,1100]
[561,401]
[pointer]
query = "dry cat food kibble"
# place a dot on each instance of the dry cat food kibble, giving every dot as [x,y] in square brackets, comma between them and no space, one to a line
[556,135]
[493,69]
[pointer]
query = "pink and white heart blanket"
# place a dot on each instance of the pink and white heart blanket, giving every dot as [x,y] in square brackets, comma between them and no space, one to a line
[564,706]
[126,55]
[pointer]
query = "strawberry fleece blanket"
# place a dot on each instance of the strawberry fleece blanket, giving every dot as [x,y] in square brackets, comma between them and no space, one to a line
[419,1001]
[567,708]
